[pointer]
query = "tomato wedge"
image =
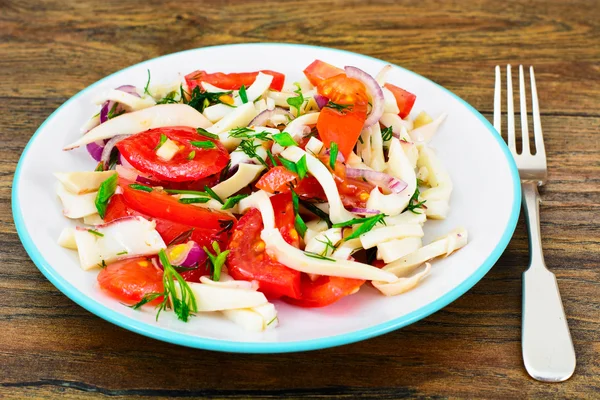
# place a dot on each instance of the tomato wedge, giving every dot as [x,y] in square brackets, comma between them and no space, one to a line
[232,81]
[188,164]
[325,290]
[343,123]
[404,99]
[248,260]
[319,70]
[129,280]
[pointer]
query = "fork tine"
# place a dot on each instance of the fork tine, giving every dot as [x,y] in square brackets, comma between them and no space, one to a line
[510,112]
[537,124]
[497,102]
[524,124]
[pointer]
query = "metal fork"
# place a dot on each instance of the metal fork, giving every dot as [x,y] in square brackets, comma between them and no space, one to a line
[547,346]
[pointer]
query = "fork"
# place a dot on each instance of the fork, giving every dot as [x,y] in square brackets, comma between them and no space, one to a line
[548,352]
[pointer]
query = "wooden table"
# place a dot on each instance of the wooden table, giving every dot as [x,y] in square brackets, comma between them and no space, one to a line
[50,50]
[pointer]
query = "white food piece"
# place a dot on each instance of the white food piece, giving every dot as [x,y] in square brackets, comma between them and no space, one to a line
[218,298]
[239,157]
[217,112]
[337,212]
[76,205]
[260,105]
[296,259]
[423,134]
[136,236]
[319,243]
[355,161]
[381,76]
[410,148]
[257,89]
[270,103]
[81,182]
[347,248]
[314,145]
[437,197]
[159,116]
[297,128]
[245,175]
[406,217]
[91,123]
[398,248]
[256,319]
[160,90]
[131,101]
[363,146]
[67,238]
[390,105]
[387,233]
[93,219]
[444,246]
[168,150]
[377,158]
[394,120]
[314,227]
[280,98]
[229,283]
[212,88]
[403,285]
[240,116]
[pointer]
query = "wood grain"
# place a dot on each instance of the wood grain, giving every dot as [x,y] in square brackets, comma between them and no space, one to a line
[50,347]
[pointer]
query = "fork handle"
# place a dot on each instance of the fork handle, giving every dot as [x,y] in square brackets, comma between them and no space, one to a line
[547,346]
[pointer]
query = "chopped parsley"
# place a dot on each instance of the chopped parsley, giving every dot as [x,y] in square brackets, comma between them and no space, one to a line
[94,232]
[121,253]
[273,320]
[99,167]
[143,188]
[243,94]
[272,158]
[204,132]
[182,237]
[299,168]
[216,260]
[147,85]
[161,141]
[317,211]
[203,144]
[212,194]
[249,148]
[333,153]
[339,107]
[247,133]
[193,200]
[181,191]
[318,256]
[387,133]
[169,98]
[112,113]
[414,204]
[199,99]
[298,222]
[366,225]
[284,139]
[297,101]
[328,245]
[232,201]
[105,192]
[191,155]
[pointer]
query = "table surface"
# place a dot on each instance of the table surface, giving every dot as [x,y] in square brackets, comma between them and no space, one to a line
[50,50]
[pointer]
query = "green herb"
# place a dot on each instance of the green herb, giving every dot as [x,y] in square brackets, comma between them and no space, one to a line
[99,167]
[93,232]
[226,224]
[290,165]
[271,321]
[200,100]
[191,155]
[204,132]
[114,157]
[298,222]
[182,237]
[193,200]
[105,192]
[272,158]
[387,134]
[216,260]
[122,253]
[225,172]
[333,153]
[204,144]
[112,112]
[147,85]
[317,211]
[302,167]
[143,188]
[366,225]
[414,204]
[182,301]
[102,264]
[247,133]
[181,191]
[297,101]
[212,194]
[360,139]
[161,141]
[328,245]
[339,107]
[284,139]
[318,256]
[249,148]
[243,94]
[232,201]
[169,98]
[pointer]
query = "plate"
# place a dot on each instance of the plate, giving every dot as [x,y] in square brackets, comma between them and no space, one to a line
[485,200]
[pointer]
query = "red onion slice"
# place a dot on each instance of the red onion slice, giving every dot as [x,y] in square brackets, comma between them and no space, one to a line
[108,147]
[377,178]
[108,105]
[321,100]
[364,211]
[373,89]
[95,149]
[186,255]
[265,117]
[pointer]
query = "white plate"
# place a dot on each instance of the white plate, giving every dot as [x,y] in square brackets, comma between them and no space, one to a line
[486,201]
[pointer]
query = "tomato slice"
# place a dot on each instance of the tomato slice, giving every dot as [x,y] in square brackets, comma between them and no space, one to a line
[325,290]
[276,180]
[232,81]
[129,280]
[319,70]
[404,99]
[342,125]
[140,151]
[248,260]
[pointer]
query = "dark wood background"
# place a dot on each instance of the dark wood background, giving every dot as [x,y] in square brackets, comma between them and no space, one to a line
[50,50]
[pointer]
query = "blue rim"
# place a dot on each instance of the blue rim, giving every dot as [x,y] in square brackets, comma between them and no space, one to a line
[255,347]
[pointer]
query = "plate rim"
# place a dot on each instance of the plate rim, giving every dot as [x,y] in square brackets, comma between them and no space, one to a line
[166,335]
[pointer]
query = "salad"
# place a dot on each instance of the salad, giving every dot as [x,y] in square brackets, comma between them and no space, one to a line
[228,192]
